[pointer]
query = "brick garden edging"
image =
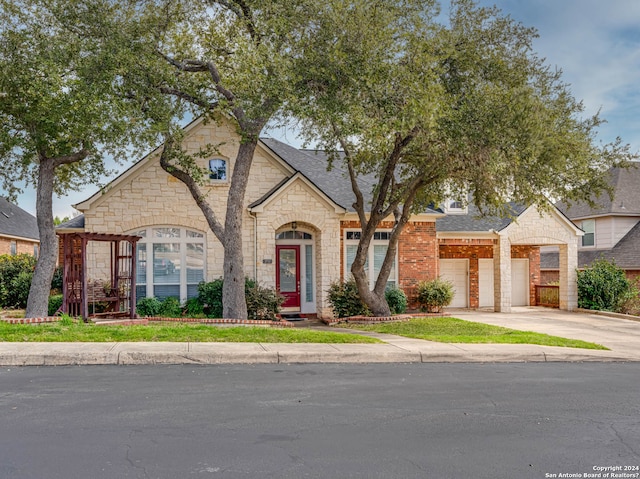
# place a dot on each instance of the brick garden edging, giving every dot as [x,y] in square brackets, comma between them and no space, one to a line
[46,319]
[243,322]
[378,319]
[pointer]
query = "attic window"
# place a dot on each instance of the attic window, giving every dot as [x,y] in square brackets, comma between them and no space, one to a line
[218,169]
[452,206]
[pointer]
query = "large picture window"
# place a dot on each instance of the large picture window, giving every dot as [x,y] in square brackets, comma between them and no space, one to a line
[170,262]
[377,252]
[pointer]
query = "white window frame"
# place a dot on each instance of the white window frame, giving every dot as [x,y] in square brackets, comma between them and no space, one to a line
[226,170]
[587,233]
[372,277]
[149,239]
[13,248]
[451,207]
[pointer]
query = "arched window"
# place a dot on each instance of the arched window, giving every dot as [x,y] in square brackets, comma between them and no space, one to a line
[170,262]
[218,169]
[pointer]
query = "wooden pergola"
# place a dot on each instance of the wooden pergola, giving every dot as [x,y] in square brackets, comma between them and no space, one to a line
[119,293]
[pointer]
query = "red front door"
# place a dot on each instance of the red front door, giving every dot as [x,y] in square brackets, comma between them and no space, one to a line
[288,274]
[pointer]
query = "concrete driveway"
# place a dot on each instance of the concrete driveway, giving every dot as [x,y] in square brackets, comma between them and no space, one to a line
[620,335]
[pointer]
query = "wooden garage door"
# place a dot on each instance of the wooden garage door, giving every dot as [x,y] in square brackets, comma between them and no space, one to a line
[456,271]
[519,282]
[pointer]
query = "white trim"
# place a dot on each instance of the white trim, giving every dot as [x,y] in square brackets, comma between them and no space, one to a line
[467,235]
[21,238]
[371,252]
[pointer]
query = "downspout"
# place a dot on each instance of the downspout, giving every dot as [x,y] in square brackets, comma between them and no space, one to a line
[255,244]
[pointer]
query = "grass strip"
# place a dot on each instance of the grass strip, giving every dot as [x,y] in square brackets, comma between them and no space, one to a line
[66,331]
[453,330]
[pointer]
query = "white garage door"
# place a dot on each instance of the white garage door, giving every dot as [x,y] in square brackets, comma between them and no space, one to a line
[519,282]
[485,282]
[456,271]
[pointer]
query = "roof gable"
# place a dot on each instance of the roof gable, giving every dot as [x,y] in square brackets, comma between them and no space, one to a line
[626,200]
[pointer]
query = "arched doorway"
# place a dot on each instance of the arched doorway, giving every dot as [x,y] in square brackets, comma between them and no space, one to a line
[295,269]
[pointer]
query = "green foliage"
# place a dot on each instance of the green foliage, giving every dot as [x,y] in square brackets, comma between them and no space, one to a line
[435,294]
[603,286]
[262,303]
[345,299]
[58,278]
[15,279]
[396,299]
[55,303]
[194,308]
[210,296]
[148,307]
[170,308]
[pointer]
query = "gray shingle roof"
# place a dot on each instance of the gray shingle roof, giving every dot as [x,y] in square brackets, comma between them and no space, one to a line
[473,221]
[77,222]
[626,253]
[626,199]
[15,221]
[335,183]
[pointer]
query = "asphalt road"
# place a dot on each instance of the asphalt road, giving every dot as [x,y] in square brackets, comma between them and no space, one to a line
[321,421]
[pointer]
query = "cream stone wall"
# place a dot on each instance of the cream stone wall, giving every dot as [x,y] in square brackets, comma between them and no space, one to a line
[536,228]
[148,196]
[299,203]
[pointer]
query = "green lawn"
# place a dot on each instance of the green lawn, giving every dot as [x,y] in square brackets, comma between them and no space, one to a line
[453,330]
[67,331]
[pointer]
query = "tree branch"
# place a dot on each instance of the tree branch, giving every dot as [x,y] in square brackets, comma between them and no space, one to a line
[72,158]
[191,184]
[241,10]
[359,204]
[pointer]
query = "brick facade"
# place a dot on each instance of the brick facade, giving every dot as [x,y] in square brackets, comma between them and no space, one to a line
[471,249]
[22,245]
[417,253]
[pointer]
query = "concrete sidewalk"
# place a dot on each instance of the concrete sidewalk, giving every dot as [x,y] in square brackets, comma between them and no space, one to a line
[621,336]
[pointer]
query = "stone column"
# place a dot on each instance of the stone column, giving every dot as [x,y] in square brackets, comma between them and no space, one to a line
[502,275]
[568,275]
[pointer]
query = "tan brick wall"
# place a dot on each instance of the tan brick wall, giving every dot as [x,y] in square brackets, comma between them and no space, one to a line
[22,246]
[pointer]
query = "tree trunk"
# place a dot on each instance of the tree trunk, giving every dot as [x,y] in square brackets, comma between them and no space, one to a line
[38,302]
[234,304]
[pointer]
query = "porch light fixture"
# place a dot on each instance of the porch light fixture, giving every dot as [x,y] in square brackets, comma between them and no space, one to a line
[294,225]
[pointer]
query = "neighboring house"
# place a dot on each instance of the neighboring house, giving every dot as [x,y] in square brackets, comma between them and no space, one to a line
[18,230]
[300,232]
[611,229]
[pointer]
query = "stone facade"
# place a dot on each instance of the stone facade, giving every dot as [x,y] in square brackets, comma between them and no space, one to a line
[279,199]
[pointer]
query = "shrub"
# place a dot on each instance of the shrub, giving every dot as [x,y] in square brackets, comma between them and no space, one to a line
[148,307]
[194,308]
[397,300]
[210,296]
[15,279]
[56,281]
[345,300]
[262,303]
[603,287]
[55,302]
[170,308]
[435,294]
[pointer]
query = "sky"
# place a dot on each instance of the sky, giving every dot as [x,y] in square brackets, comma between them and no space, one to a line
[596,43]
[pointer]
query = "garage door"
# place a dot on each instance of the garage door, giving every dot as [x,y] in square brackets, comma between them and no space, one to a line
[519,282]
[485,282]
[456,271]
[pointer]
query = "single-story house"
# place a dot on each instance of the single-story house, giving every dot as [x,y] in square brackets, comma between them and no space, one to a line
[18,230]
[300,232]
[611,227]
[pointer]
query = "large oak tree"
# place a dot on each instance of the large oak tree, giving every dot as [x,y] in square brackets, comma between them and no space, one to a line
[460,108]
[61,115]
